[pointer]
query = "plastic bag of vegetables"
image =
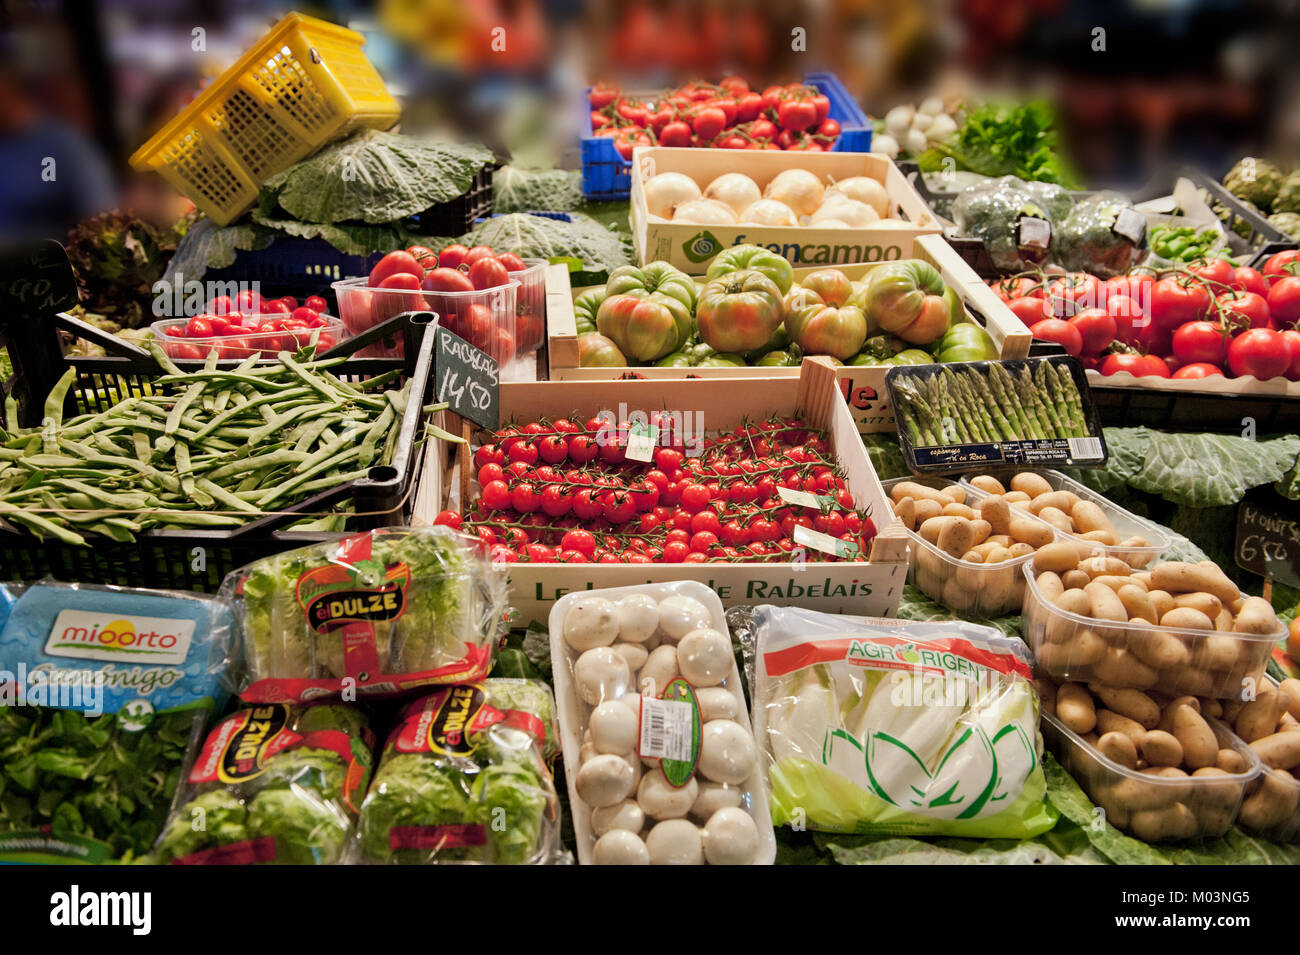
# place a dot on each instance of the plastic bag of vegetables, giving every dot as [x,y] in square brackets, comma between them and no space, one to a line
[1103,234]
[464,778]
[380,612]
[1014,225]
[885,726]
[274,783]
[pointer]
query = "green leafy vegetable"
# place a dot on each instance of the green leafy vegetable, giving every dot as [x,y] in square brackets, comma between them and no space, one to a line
[352,238]
[527,236]
[1001,139]
[515,189]
[209,246]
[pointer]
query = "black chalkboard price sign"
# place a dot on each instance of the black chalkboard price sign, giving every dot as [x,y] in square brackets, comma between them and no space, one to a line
[36,279]
[467,379]
[1268,536]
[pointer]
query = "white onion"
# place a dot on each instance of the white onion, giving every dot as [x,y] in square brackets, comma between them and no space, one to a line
[885,145]
[899,119]
[915,142]
[735,189]
[931,106]
[864,189]
[942,127]
[833,224]
[770,212]
[666,191]
[704,212]
[797,188]
[922,122]
[856,214]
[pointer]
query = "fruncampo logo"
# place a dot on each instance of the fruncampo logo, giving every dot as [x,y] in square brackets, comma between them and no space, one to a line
[182,299]
[666,429]
[77,908]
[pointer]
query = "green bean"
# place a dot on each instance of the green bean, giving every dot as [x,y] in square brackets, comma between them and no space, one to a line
[222,496]
[40,526]
[301,477]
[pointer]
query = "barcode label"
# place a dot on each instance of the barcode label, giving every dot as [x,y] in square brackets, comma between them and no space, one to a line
[641,442]
[666,729]
[1085,449]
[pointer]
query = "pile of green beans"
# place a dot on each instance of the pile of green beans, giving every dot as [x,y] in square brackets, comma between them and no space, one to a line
[221,448]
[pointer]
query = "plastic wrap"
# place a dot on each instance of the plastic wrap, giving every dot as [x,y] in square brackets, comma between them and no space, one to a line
[464,778]
[883,726]
[380,612]
[273,783]
[1013,223]
[669,774]
[1103,235]
[104,695]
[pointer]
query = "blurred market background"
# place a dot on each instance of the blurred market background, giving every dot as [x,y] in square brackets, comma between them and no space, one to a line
[1136,84]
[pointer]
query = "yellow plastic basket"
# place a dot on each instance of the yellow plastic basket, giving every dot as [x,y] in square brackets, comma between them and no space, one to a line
[304,83]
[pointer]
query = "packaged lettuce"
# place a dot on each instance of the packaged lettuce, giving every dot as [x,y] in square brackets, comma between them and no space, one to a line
[377,613]
[104,694]
[273,783]
[888,726]
[464,778]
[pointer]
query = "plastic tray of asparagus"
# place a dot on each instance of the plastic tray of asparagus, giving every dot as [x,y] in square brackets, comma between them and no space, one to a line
[1035,411]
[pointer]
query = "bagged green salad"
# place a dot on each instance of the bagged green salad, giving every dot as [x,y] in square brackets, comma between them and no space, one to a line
[104,695]
[273,783]
[464,778]
[888,726]
[375,614]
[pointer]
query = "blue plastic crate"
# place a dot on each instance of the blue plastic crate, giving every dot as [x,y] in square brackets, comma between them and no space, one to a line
[294,266]
[608,176]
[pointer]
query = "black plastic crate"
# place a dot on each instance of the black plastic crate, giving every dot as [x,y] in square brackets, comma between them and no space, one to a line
[198,559]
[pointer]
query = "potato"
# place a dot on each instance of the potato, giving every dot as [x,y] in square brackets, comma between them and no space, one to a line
[1074,708]
[984,548]
[1031,532]
[1158,649]
[1211,707]
[1290,688]
[973,557]
[1173,822]
[988,483]
[1185,618]
[1089,518]
[1016,498]
[1058,556]
[953,509]
[997,512]
[1279,751]
[1110,566]
[1161,749]
[1073,601]
[1109,721]
[980,528]
[1134,704]
[1118,748]
[917,491]
[1256,616]
[998,555]
[1215,800]
[930,529]
[1230,761]
[954,492]
[905,511]
[1115,583]
[1057,518]
[1259,717]
[1200,746]
[1002,540]
[1179,577]
[1049,584]
[1020,549]
[1232,709]
[1141,795]
[1084,648]
[1117,667]
[1105,538]
[957,597]
[1075,578]
[1136,603]
[926,509]
[1213,652]
[1273,803]
[1207,604]
[1161,601]
[1193,681]
[1223,621]
[1104,603]
[956,538]
[1030,483]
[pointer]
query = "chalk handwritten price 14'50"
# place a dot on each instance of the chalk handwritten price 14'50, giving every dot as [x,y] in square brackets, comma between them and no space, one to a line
[453,390]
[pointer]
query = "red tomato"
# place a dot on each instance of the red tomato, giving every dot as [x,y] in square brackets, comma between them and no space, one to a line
[1061,332]
[307,315]
[600,96]
[822,105]
[1199,369]
[1284,299]
[1010,289]
[1200,343]
[488,273]
[1249,280]
[316,304]
[512,262]
[1216,271]
[394,263]
[292,302]
[221,305]
[1261,352]
[424,255]
[748,106]
[476,253]
[676,133]
[452,257]
[1244,308]
[249,301]
[796,115]
[1029,309]
[629,138]
[1292,339]
[728,107]
[709,122]
[1097,329]
[277,307]
[1173,303]
[1282,264]
[734,84]
[1139,366]
[1136,286]
[1128,316]
[599,121]
[448,519]
[447,280]
[174,331]
[1073,293]
[200,326]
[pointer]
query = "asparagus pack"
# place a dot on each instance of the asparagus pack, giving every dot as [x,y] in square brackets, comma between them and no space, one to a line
[1024,411]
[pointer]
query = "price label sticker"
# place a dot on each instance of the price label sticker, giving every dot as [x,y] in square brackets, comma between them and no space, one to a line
[808,537]
[1033,233]
[817,502]
[641,442]
[1131,224]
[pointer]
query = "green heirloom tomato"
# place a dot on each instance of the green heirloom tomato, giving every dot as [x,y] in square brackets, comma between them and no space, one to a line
[700,351]
[647,311]
[906,298]
[965,342]
[777,359]
[914,356]
[597,351]
[677,359]
[722,360]
[755,257]
[826,330]
[956,310]
[831,285]
[739,311]
[585,307]
[866,358]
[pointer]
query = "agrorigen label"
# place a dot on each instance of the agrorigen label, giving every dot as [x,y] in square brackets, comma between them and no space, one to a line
[121,639]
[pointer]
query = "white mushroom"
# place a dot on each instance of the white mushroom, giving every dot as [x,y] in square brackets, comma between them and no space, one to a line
[679,615]
[604,780]
[601,674]
[620,847]
[634,653]
[624,815]
[717,703]
[727,752]
[662,800]
[591,622]
[638,616]
[659,670]
[613,728]
[704,657]
[675,842]
[714,796]
[730,838]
